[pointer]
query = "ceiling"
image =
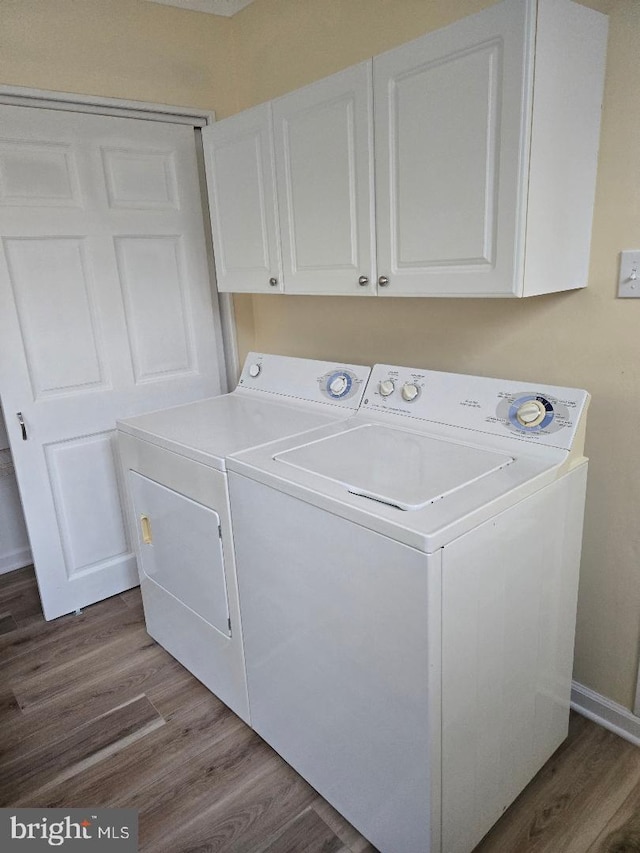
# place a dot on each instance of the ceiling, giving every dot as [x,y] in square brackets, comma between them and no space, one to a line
[214,7]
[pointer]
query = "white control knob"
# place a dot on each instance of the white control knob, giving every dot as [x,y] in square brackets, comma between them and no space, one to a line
[254,370]
[386,387]
[410,391]
[338,386]
[531,413]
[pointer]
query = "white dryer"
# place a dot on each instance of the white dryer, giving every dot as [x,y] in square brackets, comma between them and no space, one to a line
[178,506]
[408,583]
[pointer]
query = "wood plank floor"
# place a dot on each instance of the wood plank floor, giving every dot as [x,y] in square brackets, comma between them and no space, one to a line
[94,713]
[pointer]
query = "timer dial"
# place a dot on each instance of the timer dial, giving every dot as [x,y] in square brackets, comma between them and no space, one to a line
[386,387]
[338,386]
[531,413]
[410,391]
[254,370]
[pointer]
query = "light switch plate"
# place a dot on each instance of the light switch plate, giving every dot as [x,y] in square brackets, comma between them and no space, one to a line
[629,280]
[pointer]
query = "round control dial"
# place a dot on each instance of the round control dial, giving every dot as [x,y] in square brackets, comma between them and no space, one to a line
[386,387]
[531,413]
[410,391]
[339,384]
[254,370]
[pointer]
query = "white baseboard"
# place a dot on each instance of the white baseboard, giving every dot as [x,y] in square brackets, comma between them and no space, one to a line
[15,560]
[605,712]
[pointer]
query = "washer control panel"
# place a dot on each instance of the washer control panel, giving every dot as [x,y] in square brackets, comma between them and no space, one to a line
[542,414]
[534,412]
[305,379]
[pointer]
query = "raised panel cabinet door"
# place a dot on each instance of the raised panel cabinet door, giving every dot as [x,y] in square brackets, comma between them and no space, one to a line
[242,202]
[451,117]
[324,172]
[106,313]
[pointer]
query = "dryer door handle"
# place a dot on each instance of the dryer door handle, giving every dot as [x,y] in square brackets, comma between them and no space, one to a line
[145,526]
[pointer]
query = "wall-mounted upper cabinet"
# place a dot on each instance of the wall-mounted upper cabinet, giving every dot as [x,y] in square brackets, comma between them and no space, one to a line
[482,160]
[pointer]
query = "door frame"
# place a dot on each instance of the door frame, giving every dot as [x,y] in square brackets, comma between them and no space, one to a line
[224,317]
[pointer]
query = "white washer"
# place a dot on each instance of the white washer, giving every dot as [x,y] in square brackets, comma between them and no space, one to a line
[408,583]
[178,505]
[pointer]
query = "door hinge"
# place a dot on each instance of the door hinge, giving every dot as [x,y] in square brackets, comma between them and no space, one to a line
[229,624]
[220,531]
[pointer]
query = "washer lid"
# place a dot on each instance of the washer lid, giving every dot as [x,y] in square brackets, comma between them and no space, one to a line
[397,467]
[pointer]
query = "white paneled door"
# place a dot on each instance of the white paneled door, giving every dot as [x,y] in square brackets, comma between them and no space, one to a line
[105,312]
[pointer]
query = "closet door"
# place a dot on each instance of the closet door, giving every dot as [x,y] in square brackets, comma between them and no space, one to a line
[106,313]
[452,113]
[242,202]
[324,163]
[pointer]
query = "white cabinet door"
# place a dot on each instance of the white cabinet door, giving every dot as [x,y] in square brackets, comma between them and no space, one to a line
[324,168]
[241,185]
[106,313]
[450,129]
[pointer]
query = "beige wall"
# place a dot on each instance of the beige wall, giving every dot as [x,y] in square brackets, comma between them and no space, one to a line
[586,339]
[137,50]
[126,49]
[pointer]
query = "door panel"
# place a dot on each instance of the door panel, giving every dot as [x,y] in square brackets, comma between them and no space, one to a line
[311,246]
[86,496]
[37,174]
[106,313]
[459,175]
[47,277]
[140,179]
[159,333]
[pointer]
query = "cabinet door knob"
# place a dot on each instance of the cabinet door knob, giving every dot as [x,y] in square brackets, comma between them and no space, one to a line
[383,281]
[273,282]
[363,281]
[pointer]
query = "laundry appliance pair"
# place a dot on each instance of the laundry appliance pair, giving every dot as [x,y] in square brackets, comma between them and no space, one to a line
[403,559]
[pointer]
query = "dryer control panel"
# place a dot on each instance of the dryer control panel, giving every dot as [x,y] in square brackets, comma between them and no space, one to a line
[543,414]
[305,379]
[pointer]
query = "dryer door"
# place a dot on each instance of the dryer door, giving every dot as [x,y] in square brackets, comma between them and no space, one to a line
[180,548]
